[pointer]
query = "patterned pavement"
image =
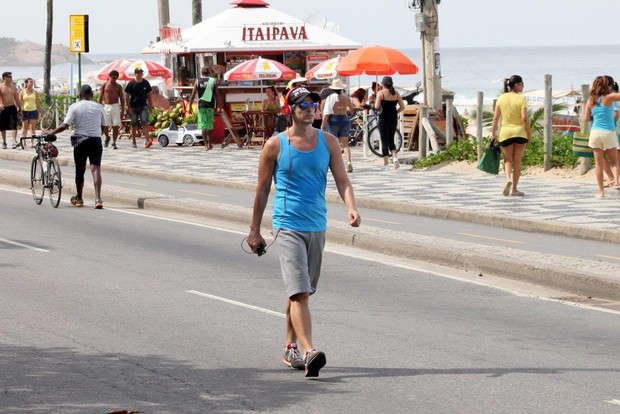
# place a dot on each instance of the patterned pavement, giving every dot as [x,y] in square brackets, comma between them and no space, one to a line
[562,201]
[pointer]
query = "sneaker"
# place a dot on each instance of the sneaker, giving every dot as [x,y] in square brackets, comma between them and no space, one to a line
[16,144]
[107,142]
[98,204]
[148,144]
[396,163]
[350,167]
[386,168]
[134,145]
[314,361]
[4,145]
[78,202]
[293,358]
[114,146]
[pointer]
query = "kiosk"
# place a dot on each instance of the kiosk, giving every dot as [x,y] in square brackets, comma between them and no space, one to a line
[250,28]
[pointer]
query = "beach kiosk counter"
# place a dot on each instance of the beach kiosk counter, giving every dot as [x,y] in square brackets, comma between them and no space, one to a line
[249,29]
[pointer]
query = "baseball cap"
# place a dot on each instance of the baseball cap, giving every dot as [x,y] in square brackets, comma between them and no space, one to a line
[298,95]
[137,70]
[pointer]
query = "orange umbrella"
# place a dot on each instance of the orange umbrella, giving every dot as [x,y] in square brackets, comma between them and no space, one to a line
[376,60]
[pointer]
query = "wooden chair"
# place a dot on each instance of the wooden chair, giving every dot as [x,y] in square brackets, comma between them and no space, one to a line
[233,131]
[259,126]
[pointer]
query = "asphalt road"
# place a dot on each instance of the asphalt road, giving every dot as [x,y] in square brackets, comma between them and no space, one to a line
[118,309]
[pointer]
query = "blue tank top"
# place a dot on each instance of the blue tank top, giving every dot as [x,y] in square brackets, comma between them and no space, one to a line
[300,179]
[603,117]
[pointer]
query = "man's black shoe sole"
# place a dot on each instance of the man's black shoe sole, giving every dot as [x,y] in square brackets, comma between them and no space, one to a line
[316,362]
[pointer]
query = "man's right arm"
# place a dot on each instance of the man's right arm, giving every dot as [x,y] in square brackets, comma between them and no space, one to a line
[266,166]
[100,100]
[193,95]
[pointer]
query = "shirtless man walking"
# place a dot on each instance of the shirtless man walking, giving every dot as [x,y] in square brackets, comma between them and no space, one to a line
[113,100]
[10,106]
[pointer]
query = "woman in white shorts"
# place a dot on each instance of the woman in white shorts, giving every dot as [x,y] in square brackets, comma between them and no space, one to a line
[603,139]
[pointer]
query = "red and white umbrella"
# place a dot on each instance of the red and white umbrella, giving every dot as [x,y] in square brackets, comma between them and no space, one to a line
[260,69]
[324,70]
[119,65]
[151,69]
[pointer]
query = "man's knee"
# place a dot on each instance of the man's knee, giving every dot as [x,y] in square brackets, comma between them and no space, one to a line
[300,297]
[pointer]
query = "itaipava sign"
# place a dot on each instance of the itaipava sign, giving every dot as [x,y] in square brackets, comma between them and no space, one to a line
[271,32]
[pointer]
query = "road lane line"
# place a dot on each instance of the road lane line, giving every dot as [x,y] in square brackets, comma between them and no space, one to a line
[608,257]
[381,221]
[199,193]
[615,402]
[234,302]
[14,243]
[131,183]
[491,238]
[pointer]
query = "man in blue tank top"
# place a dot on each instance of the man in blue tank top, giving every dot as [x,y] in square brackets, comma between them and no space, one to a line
[297,161]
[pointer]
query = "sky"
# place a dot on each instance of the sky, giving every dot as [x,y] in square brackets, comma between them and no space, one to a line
[121,26]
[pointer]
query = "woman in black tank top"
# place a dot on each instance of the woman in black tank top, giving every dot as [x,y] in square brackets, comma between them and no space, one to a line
[387,99]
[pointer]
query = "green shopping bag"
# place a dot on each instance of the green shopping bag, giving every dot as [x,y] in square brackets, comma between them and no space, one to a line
[580,145]
[489,162]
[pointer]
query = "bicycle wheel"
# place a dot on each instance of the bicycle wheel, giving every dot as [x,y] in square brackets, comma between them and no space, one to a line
[36,180]
[374,141]
[54,182]
[48,120]
[355,135]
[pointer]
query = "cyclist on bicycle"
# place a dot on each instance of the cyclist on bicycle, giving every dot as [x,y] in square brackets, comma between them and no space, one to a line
[89,120]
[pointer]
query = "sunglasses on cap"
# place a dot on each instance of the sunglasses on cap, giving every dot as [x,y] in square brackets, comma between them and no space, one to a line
[304,105]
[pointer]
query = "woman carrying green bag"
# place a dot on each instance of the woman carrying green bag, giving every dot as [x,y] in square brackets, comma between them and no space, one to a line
[515,131]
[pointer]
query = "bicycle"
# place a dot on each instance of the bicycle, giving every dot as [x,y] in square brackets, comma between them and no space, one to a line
[373,140]
[55,113]
[45,178]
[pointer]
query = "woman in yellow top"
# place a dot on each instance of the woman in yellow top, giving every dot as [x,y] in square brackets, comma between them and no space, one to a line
[515,131]
[31,110]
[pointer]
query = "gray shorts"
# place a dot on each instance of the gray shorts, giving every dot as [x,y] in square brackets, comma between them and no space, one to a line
[301,254]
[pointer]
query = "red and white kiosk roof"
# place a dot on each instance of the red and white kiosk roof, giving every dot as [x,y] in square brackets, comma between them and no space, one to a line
[251,25]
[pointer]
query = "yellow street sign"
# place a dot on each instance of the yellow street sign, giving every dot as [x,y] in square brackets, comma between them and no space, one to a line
[78,33]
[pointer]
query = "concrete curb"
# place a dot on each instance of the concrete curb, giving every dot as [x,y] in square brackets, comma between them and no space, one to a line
[557,272]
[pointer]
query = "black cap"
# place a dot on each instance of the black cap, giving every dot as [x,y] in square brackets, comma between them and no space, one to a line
[298,95]
[138,70]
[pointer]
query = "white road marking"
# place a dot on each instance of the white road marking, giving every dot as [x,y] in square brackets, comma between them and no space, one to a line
[608,257]
[615,402]
[132,183]
[491,238]
[14,243]
[199,193]
[234,302]
[381,221]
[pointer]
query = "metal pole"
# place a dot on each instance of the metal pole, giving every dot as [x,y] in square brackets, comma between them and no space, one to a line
[79,70]
[584,163]
[548,115]
[423,139]
[479,123]
[449,122]
[164,13]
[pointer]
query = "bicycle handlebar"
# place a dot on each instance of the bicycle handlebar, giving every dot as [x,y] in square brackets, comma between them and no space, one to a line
[47,138]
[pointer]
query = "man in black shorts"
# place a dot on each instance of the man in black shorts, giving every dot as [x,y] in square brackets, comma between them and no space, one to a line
[89,120]
[10,106]
[139,101]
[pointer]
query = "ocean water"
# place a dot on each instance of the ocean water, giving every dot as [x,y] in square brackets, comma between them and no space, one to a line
[465,71]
